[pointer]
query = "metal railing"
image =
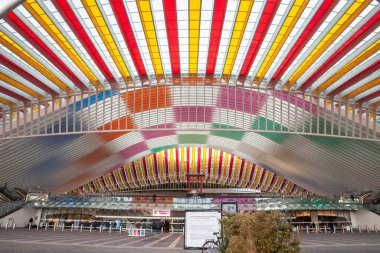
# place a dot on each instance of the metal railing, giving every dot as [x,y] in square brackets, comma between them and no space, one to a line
[8,207]
[157,107]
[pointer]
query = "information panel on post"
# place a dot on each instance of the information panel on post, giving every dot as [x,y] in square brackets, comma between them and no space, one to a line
[200,226]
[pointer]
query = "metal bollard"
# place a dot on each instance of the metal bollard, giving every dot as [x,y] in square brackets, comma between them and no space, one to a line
[110,229]
[360,229]
[352,230]
[46,226]
[38,225]
[63,227]
[81,227]
[14,225]
[30,225]
[162,230]
[298,229]
[334,229]
[54,226]
[100,228]
[172,230]
[6,226]
[375,228]
[183,230]
[325,229]
[307,229]
[120,229]
[342,229]
[72,227]
[366,226]
[90,228]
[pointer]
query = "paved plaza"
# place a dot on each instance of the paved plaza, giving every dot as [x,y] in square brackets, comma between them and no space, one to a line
[22,240]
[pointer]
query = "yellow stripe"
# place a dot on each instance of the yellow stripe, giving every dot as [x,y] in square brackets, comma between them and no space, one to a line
[162,165]
[140,172]
[151,171]
[215,167]
[41,17]
[266,184]
[237,35]
[245,176]
[109,182]
[279,180]
[204,165]
[100,188]
[7,102]
[17,50]
[225,167]
[20,86]
[237,165]
[353,64]
[194,28]
[120,179]
[101,26]
[362,89]
[352,13]
[183,169]
[172,176]
[129,176]
[258,174]
[150,35]
[287,27]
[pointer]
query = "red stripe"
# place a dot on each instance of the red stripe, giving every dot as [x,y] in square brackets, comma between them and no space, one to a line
[209,164]
[32,38]
[253,168]
[187,160]
[311,28]
[369,97]
[199,160]
[220,7]
[293,188]
[71,20]
[282,185]
[145,171]
[128,35]
[177,163]
[114,180]
[172,33]
[124,175]
[358,37]
[156,168]
[94,187]
[220,166]
[241,170]
[272,182]
[262,178]
[264,24]
[14,95]
[104,183]
[368,71]
[15,68]
[166,165]
[135,174]
[231,166]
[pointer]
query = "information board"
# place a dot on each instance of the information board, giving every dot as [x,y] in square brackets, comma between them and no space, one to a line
[199,226]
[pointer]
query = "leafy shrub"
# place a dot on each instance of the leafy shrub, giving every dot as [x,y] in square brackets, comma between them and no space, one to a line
[260,232]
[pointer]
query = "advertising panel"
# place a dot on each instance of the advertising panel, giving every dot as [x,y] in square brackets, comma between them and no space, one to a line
[161,212]
[199,227]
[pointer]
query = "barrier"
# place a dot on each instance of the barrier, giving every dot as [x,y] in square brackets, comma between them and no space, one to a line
[136,232]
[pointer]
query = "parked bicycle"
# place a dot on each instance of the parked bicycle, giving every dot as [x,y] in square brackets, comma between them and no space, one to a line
[212,244]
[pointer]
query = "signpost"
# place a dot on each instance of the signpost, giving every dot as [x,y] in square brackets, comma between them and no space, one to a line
[199,226]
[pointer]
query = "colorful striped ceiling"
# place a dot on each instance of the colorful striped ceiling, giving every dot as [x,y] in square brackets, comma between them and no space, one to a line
[320,164]
[325,47]
[172,166]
